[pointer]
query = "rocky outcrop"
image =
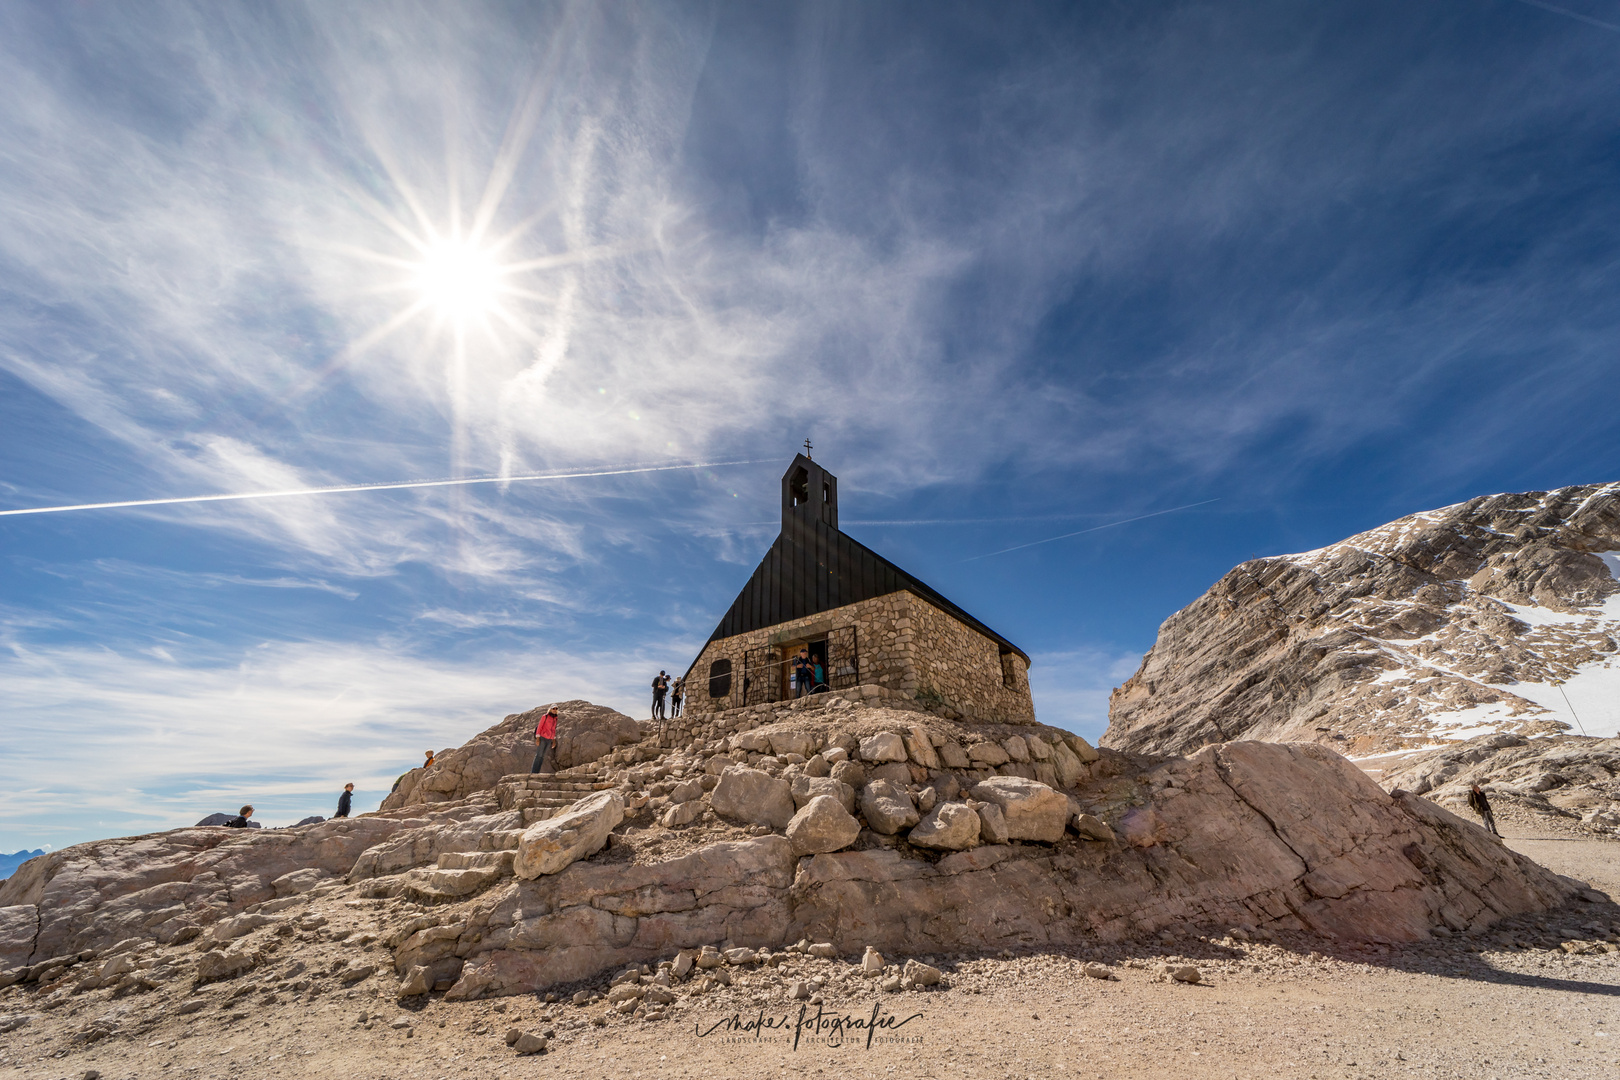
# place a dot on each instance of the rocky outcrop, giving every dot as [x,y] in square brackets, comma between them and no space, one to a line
[585,732]
[559,842]
[1568,777]
[1290,837]
[1395,638]
[543,881]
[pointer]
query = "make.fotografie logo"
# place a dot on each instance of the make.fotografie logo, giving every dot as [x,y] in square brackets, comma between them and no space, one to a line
[822,1028]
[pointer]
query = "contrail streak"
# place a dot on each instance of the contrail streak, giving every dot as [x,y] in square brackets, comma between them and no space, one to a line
[1577,16]
[385,486]
[1094,528]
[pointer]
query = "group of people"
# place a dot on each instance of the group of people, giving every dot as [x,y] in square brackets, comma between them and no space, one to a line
[809,674]
[675,692]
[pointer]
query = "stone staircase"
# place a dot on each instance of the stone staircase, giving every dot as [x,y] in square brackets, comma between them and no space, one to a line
[542,796]
[460,874]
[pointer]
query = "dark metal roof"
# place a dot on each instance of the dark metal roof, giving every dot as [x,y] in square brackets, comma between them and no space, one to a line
[813,567]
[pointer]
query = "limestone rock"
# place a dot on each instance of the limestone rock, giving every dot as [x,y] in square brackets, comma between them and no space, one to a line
[1082,749]
[585,732]
[681,814]
[804,788]
[1091,827]
[1066,765]
[225,963]
[988,753]
[1097,971]
[952,756]
[992,825]
[753,797]
[550,846]
[1016,748]
[1031,810]
[871,962]
[950,826]
[1185,973]
[850,773]
[884,746]
[1382,641]
[822,825]
[921,749]
[417,982]
[887,807]
[792,742]
[916,975]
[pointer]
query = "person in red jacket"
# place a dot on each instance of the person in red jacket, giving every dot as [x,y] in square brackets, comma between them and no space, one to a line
[545,734]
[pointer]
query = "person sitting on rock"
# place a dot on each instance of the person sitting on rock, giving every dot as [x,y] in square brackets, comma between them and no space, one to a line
[1482,806]
[240,821]
[344,800]
[545,734]
[429,762]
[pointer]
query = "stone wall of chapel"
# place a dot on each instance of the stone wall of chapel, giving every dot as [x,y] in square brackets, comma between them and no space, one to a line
[903,644]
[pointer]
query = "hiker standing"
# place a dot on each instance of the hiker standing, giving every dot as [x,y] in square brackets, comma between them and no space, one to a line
[344,800]
[677,696]
[660,687]
[545,734]
[1482,806]
[803,673]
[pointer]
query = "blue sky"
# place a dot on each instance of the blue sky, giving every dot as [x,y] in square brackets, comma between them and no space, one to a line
[1018,271]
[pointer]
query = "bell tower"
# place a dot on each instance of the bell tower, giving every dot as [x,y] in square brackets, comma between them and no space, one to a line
[809,494]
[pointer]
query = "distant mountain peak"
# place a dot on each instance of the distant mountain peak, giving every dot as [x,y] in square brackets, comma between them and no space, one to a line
[1478,617]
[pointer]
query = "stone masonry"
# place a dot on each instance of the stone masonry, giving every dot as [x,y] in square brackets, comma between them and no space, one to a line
[903,644]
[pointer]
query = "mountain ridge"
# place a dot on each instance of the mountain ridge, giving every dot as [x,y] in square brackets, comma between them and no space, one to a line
[1472,618]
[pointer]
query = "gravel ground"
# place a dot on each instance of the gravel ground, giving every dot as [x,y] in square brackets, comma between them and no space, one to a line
[1515,1002]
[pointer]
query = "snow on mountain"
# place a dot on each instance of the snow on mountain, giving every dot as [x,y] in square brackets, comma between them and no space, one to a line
[1476,618]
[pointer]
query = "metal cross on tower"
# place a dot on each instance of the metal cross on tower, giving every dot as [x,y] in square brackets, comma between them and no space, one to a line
[807,448]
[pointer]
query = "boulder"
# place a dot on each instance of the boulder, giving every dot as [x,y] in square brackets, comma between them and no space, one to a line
[792,742]
[988,753]
[1068,767]
[953,756]
[585,732]
[225,963]
[916,975]
[951,826]
[681,814]
[992,825]
[1082,749]
[576,833]
[1016,748]
[1091,827]
[921,749]
[753,797]
[823,825]
[887,807]
[849,772]
[686,791]
[1032,810]
[805,788]
[884,746]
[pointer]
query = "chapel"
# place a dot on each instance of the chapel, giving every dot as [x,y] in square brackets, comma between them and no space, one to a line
[862,618]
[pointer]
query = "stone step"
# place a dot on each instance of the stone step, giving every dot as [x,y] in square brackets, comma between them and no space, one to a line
[501,840]
[478,860]
[438,885]
[533,814]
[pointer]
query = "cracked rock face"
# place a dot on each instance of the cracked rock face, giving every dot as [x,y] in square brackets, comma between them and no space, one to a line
[1453,619]
[1287,837]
